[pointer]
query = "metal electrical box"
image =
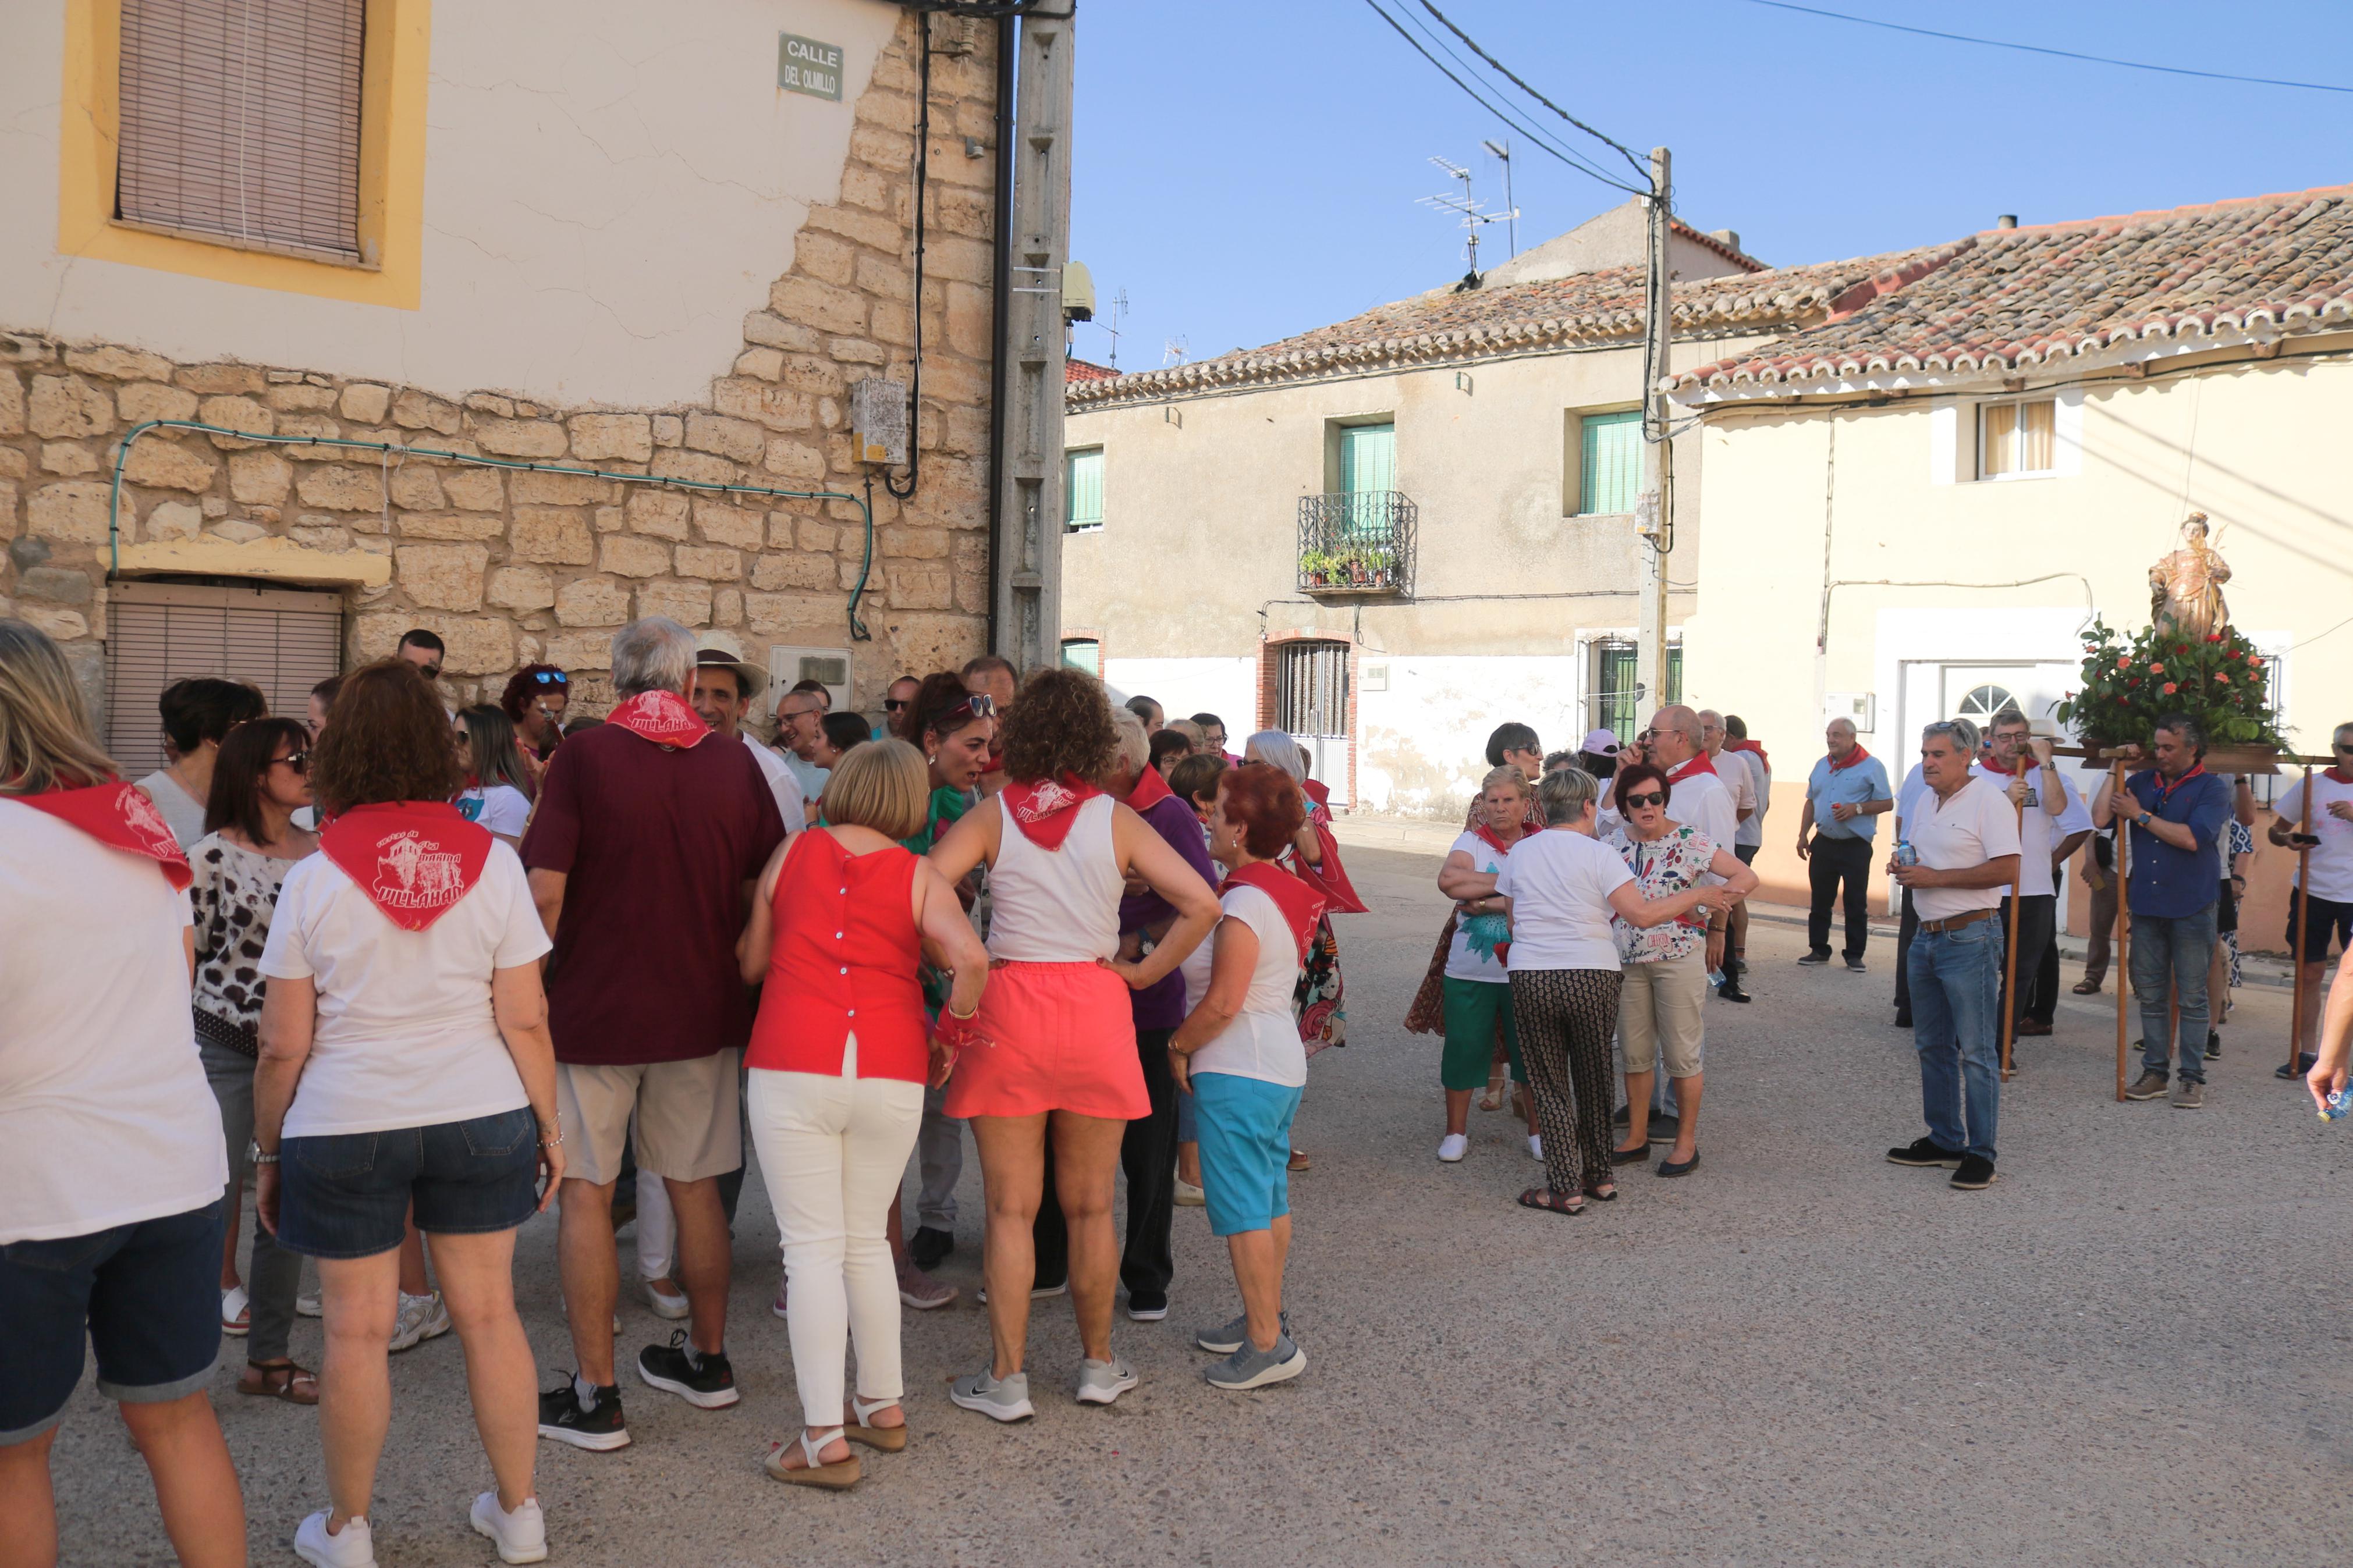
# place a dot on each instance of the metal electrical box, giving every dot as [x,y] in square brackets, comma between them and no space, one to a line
[878,421]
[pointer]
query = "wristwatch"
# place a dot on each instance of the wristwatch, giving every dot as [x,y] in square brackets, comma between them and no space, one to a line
[255,1156]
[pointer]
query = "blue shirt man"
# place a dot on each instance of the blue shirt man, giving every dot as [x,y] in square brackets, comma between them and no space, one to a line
[1856,780]
[2168,881]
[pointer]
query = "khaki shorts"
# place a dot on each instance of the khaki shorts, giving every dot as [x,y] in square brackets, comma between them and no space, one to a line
[690,1118]
[1664,1008]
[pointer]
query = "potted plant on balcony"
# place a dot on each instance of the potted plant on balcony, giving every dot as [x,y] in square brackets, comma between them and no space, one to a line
[1315,568]
[2217,678]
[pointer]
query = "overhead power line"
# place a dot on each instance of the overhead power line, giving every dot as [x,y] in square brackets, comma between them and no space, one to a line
[2056,54]
[1641,167]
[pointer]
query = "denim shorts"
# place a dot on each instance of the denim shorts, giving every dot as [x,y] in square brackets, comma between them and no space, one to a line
[1245,1127]
[147,1298]
[347,1195]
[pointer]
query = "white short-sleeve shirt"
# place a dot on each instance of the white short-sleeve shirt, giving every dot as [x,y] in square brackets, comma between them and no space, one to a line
[1262,1042]
[1760,779]
[1972,826]
[1559,882]
[105,1117]
[2332,861]
[1704,802]
[792,802]
[406,1036]
[2039,831]
[501,808]
[1465,959]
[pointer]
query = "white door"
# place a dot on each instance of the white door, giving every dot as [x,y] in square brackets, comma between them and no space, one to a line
[1311,707]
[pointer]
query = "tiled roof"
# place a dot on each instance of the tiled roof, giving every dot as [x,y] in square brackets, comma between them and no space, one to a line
[2015,298]
[1075,369]
[1443,326]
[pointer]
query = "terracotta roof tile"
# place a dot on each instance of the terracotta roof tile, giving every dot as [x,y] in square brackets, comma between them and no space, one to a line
[1075,369]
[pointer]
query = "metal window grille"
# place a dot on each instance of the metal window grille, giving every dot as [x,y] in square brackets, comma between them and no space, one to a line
[282,641]
[241,119]
[1312,688]
[1615,701]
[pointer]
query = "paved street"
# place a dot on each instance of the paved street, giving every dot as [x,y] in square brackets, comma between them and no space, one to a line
[2131,1349]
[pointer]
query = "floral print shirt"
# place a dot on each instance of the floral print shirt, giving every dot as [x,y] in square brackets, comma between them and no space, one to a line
[1664,867]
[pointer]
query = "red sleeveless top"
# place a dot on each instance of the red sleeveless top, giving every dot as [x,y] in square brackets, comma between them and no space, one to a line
[844,962]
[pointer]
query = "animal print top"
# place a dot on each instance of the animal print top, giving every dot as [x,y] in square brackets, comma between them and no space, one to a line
[234,894]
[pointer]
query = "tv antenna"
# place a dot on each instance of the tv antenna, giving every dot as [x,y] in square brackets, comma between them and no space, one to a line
[1511,214]
[1173,350]
[1118,311]
[1468,209]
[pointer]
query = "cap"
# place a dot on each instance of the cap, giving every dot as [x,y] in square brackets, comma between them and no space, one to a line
[1600,744]
[717,650]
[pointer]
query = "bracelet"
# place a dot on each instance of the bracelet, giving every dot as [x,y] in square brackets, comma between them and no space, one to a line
[256,1155]
[964,1017]
[555,1142]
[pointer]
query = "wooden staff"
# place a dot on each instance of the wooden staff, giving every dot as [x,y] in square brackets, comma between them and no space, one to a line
[2296,931]
[2124,917]
[2009,950]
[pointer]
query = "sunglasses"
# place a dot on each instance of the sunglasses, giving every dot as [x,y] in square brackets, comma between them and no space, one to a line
[1652,797]
[430,671]
[552,678]
[300,762]
[979,704]
[894,704]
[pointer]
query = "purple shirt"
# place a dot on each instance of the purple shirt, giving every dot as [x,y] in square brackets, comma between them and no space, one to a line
[1162,1006]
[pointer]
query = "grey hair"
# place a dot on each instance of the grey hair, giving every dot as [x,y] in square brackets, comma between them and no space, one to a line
[1134,745]
[2183,725]
[1506,774]
[655,654]
[1841,718]
[1281,750]
[1963,731]
[1565,793]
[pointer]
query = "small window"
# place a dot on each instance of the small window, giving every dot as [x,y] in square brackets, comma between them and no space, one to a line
[2015,439]
[1609,462]
[1083,488]
[1083,653]
[1312,688]
[1367,458]
[1615,702]
[240,121]
[1980,703]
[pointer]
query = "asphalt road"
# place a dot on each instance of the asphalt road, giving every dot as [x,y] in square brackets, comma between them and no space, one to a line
[2133,1349]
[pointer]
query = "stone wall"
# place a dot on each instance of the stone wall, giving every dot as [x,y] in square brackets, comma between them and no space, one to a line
[512,567]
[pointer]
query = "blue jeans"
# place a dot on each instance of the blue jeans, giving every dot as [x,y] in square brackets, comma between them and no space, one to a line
[1956,1025]
[2170,959]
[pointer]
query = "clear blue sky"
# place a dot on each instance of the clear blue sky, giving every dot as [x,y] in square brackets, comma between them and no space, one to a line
[1247,171]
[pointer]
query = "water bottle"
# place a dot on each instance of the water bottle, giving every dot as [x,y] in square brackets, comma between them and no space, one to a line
[1905,855]
[2339,1101]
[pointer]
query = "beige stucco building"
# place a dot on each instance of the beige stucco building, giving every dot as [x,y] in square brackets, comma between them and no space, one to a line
[1390,535]
[650,242]
[1911,512]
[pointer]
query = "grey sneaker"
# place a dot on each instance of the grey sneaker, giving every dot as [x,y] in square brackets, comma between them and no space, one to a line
[1251,1367]
[1100,1381]
[2189,1096]
[1228,1338]
[1000,1399]
[421,1317]
[2149,1086]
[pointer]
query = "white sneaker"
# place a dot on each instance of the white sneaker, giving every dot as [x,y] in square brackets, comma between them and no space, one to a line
[421,1317]
[670,1304]
[1452,1147]
[236,1318]
[353,1547]
[1535,1147]
[521,1536]
[1100,1381]
[1190,1196]
[310,1306]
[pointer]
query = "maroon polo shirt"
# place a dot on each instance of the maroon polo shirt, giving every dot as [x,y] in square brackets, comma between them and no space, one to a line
[657,844]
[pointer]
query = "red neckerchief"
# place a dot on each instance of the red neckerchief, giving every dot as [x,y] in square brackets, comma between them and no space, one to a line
[2165,791]
[1301,904]
[1852,757]
[1750,746]
[1150,790]
[1702,763]
[1487,836]
[1046,809]
[2336,776]
[121,816]
[662,717]
[414,858]
[1330,878]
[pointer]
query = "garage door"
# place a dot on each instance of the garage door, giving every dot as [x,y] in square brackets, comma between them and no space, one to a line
[282,641]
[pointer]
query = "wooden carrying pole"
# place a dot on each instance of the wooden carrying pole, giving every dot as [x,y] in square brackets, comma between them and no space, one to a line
[2295,931]
[2009,941]
[2124,918]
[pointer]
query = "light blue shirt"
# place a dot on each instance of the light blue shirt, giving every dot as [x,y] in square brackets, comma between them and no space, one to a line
[1857,784]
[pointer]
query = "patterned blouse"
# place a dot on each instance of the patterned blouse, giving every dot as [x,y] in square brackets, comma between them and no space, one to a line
[234,894]
[1663,868]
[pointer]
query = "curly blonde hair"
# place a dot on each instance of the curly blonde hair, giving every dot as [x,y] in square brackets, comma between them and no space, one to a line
[1059,723]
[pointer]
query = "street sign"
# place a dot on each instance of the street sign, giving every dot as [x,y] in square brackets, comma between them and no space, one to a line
[804,65]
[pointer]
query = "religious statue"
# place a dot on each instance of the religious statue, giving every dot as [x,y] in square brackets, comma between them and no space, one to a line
[2185,588]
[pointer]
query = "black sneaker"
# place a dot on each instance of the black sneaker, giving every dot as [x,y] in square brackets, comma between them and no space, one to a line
[1855,967]
[704,1381]
[1816,959]
[1974,1174]
[2305,1062]
[1924,1151]
[1904,1017]
[2214,1046]
[929,1245]
[597,1426]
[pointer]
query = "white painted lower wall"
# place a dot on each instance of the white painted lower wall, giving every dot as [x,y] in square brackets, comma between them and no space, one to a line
[1184,687]
[1423,746]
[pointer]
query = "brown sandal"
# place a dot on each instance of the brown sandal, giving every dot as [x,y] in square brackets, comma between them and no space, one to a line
[1551,1201]
[1298,1161]
[280,1380]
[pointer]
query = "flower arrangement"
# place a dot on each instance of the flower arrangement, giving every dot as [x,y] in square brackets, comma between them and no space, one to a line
[2219,679]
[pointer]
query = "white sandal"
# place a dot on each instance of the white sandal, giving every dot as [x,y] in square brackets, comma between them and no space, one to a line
[814,1472]
[236,1312]
[885,1439]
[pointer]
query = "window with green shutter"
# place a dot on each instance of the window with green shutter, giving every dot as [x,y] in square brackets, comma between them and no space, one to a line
[1083,488]
[1609,462]
[1083,653]
[1367,470]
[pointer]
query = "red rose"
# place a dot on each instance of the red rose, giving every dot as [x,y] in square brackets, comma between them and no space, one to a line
[2124,661]
[2157,669]
[2234,653]
[2169,688]
[2254,663]
[2220,676]
[2213,636]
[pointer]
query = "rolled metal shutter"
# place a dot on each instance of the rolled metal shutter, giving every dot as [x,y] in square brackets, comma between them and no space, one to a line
[281,641]
[241,118]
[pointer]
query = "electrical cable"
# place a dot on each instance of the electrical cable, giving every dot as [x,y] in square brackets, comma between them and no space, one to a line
[2056,54]
[1559,149]
[922,176]
[1623,151]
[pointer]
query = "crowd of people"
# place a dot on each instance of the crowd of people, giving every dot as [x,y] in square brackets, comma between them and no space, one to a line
[446,968]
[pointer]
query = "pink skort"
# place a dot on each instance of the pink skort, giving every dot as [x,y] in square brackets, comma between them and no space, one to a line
[1063,1038]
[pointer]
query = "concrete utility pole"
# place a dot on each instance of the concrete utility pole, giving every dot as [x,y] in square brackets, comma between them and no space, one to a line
[1655,512]
[1029,543]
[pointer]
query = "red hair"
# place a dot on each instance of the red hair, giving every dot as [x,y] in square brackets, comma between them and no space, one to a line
[1264,801]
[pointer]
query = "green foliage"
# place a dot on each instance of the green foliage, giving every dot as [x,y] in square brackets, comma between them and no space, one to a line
[2130,682]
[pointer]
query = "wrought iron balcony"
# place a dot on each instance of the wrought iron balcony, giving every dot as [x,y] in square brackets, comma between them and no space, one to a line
[1359,542]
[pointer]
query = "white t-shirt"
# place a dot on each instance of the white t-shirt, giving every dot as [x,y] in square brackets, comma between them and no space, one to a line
[1262,1042]
[1463,961]
[501,808]
[1559,882]
[183,814]
[792,803]
[1198,962]
[1760,780]
[105,1117]
[2332,861]
[1976,823]
[2039,831]
[1732,772]
[406,1036]
[1704,802]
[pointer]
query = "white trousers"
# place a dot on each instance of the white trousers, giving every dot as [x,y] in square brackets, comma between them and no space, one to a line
[833,1151]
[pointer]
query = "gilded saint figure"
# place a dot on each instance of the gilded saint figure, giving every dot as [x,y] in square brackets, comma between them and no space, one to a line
[2185,588]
